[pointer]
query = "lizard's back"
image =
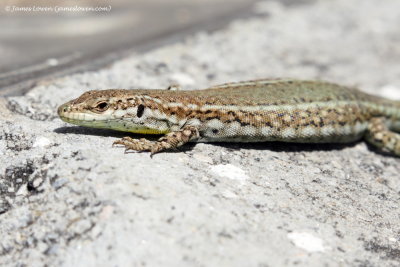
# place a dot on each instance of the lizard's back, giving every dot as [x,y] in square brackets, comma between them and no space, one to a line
[269,92]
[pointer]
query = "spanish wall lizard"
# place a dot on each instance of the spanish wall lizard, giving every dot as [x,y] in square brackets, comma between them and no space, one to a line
[253,111]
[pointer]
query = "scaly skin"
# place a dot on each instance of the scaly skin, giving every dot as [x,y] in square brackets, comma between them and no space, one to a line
[254,111]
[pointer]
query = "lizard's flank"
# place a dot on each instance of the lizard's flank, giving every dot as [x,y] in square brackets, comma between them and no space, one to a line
[253,111]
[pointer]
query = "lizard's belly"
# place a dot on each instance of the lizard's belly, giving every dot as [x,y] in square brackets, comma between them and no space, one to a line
[235,132]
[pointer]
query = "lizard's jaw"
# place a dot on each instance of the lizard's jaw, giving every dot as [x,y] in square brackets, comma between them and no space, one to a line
[83,119]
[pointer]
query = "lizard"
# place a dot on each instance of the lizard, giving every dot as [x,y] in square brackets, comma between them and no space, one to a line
[287,110]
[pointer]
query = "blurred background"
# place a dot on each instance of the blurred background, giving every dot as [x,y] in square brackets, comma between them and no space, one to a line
[47,38]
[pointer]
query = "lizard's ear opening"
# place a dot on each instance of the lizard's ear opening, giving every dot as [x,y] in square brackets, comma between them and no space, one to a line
[140,111]
[101,106]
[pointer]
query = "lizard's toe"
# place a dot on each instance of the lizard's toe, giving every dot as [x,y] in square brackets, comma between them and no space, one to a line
[117,142]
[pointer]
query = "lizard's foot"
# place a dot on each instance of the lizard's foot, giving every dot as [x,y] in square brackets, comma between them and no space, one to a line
[379,135]
[171,140]
[135,144]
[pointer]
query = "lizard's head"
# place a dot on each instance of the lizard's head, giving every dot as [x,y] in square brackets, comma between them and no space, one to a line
[111,109]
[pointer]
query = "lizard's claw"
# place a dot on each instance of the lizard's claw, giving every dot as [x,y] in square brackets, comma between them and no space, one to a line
[118,142]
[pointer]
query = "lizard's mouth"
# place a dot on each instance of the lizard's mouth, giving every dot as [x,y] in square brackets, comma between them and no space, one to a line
[103,121]
[65,113]
[83,118]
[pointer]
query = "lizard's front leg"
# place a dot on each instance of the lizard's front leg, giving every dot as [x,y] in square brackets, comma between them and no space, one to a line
[379,135]
[169,141]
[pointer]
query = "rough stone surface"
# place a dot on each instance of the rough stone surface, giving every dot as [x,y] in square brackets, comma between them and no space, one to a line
[67,198]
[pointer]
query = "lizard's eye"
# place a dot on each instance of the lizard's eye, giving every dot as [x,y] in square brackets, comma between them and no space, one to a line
[101,106]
